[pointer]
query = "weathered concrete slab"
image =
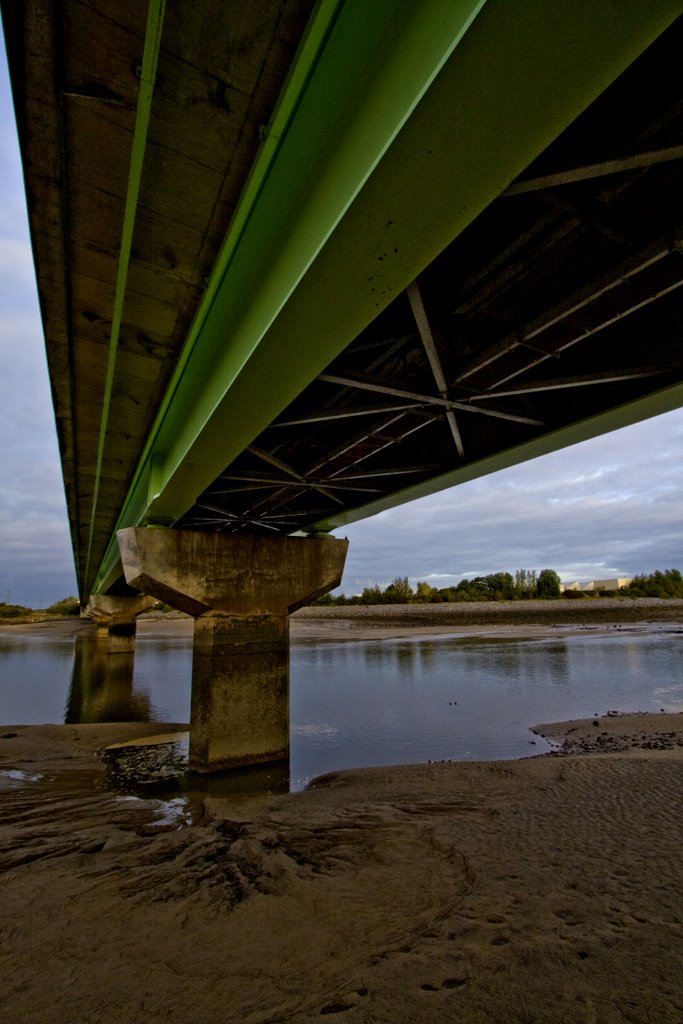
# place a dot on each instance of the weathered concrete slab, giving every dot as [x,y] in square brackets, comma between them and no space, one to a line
[197,572]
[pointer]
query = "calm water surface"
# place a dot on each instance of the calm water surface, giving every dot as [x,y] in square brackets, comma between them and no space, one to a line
[368,702]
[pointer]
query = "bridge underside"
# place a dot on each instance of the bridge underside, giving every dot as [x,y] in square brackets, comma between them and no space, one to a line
[263,315]
[561,302]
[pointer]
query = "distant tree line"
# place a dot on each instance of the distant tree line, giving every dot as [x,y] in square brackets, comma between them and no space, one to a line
[524,585]
[67,606]
[498,586]
[658,584]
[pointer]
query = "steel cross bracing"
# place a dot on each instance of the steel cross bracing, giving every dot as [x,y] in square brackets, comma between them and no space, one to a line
[602,306]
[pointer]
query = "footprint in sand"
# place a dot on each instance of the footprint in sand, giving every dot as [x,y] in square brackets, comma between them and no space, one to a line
[447,983]
[347,1002]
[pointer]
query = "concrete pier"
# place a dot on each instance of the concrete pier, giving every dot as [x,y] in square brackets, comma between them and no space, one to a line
[240,591]
[116,618]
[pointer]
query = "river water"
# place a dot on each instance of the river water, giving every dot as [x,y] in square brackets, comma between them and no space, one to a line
[378,702]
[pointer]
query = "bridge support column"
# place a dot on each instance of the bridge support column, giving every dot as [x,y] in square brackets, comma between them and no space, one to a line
[240,590]
[240,690]
[116,618]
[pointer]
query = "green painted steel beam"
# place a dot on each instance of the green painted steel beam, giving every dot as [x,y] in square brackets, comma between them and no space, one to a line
[348,218]
[377,63]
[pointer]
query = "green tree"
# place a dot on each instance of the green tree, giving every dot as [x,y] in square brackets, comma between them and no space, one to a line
[548,584]
[399,591]
[424,592]
[501,586]
[472,590]
[525,583]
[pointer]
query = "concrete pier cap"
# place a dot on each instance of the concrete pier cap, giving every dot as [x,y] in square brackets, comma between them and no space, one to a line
[109,607]
[240,589]
[115,616]
[238,574]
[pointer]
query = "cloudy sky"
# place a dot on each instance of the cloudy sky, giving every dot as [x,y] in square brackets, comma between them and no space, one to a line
[605,508]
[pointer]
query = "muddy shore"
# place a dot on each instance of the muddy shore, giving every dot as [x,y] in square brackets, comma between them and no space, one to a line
[490,613]
[359,622]
[543,890]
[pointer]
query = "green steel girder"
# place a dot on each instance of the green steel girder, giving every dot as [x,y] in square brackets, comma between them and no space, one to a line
[412,120]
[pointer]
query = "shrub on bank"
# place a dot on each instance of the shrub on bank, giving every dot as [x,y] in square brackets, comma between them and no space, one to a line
[67,606]
[665,584]
[13,611]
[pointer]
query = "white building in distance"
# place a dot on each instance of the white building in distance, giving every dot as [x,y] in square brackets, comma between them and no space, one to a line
[595,586]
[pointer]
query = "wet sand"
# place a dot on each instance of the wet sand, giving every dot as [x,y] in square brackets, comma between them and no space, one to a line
[543,890]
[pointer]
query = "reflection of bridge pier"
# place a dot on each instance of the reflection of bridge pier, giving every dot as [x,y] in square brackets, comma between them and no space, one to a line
[241,591]
[102,678]
[102,684]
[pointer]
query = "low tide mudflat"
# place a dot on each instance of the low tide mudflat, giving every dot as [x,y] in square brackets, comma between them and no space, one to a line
[541,890]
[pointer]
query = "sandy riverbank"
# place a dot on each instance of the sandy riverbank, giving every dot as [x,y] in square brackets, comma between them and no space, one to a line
[545,890]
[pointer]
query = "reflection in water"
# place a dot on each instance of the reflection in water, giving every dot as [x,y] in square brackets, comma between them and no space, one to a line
[427,654]
[529,662]
[465,698]
[34,675]
[251,781]
[102,685]
[157,766]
